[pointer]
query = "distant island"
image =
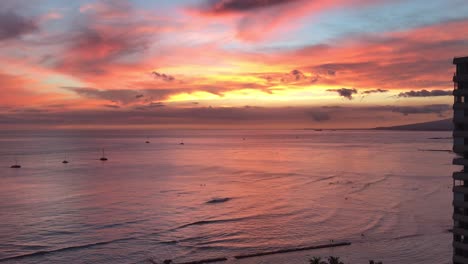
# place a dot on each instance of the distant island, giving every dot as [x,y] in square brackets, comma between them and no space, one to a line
[439,125]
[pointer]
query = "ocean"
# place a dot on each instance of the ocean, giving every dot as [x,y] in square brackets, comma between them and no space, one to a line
[225,193]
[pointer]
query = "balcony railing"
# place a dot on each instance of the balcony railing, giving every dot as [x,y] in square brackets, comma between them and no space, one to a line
[460,77]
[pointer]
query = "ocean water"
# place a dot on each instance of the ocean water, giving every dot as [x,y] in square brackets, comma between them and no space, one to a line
[224,193]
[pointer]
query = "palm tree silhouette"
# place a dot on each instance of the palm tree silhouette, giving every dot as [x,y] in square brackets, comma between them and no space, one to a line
[334,260]
[316,260]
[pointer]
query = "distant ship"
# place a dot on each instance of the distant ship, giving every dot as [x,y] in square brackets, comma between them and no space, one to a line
[147,141]
[182,143]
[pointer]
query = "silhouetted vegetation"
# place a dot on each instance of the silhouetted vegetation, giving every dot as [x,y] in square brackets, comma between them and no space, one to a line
[313,260]
[333,260]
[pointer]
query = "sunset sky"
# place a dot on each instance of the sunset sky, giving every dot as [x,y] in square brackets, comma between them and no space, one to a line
[228,63]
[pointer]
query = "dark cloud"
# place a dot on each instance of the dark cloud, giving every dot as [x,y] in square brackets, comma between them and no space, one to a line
[157,104]
[332,107]
[332,68]
[122,96]
[161,94]
[345,92]
[319,116]
[238,6]
[157,113]
[13,26]
[438,109]
[28,110]
[125,96]
[298,75]
[150,106]
[163,76]
[374,91]
[294,77]
[130,96]
[426,93]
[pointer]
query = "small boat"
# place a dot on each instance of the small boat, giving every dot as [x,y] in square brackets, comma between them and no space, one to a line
[147,141]
[182,143]
[16,166]
[65,161]
[103,158]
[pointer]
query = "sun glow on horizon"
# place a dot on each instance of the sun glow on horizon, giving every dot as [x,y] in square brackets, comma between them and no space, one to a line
[126,57]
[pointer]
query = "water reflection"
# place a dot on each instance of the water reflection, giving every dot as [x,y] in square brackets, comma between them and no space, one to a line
[275,189]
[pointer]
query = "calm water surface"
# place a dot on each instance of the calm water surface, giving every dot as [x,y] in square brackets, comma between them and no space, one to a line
[220,195]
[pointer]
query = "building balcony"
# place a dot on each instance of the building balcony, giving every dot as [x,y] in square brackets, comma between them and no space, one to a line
[457,119]
[459,217]
[460,149]
[459,259]
[459,60]
[460,204]
[463,176]
[460,161]
[459,113]
[460,106]
[460,78]
[460,245]
[461,189]
[460,134]
[460,92]
[460,231]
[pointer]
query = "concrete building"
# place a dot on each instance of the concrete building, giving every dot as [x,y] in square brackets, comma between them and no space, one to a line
[460,147]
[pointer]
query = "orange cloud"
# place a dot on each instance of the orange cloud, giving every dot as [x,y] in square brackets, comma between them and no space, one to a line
[115,57]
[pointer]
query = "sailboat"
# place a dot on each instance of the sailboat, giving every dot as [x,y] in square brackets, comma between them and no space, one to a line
[147,141]
[182,143]
[103,158]
[65,161]
[16,166]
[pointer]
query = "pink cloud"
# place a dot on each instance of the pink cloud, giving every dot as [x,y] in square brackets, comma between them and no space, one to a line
[259,19]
